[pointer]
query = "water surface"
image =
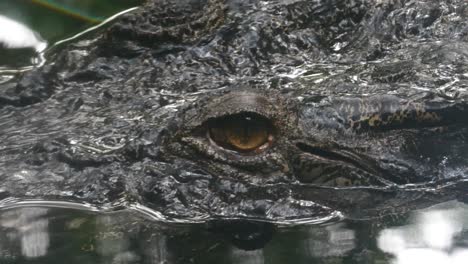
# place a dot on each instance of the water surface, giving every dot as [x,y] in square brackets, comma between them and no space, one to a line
[438,234]
[28,27]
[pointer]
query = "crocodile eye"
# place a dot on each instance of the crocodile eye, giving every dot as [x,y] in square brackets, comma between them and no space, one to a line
[245,132]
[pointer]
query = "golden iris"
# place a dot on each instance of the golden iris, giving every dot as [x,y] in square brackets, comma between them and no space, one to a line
[242,132]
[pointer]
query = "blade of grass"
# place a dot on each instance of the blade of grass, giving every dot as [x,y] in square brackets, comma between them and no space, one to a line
[51,5]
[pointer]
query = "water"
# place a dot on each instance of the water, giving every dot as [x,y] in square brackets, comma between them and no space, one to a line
[40,234]
[28,27]
[51,232]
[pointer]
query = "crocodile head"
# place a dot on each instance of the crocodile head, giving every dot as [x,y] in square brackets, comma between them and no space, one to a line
[278,111]
[269,155]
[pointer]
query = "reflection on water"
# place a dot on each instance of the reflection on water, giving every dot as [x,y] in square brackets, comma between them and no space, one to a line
[108,246]
[433,236]
[247,257]
[16,35]
[20,46]
[29,228]
[52,235]
[331,241]
[26,27]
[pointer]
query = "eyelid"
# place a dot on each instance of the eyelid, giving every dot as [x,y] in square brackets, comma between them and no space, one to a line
[232,104]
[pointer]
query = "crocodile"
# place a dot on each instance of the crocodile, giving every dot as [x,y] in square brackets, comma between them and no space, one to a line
[281,110]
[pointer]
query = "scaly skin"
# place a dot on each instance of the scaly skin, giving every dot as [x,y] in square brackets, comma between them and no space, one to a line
[363,94]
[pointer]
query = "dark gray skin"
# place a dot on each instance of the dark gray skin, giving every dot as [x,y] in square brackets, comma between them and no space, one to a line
[367,100]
